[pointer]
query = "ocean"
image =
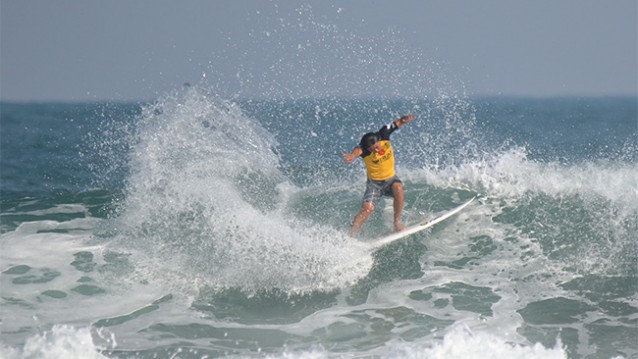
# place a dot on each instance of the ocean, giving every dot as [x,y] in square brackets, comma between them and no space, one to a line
[197,226]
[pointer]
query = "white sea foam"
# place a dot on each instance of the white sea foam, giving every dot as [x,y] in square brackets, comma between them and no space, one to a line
[204,194]
[49,285]
[36,243]
[61,341]
[510,174]
[58,209]
[459,342]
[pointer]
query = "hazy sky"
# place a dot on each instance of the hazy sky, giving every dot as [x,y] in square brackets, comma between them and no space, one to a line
[140,49]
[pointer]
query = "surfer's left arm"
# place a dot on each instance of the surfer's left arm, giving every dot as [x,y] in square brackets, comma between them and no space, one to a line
[403,120]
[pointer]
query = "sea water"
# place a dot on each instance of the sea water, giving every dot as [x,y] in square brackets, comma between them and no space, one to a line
[195,226]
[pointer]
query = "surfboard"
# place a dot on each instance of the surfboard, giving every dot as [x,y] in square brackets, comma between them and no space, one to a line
[423,224]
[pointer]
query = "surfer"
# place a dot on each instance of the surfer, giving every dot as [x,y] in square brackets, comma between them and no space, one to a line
[378,156]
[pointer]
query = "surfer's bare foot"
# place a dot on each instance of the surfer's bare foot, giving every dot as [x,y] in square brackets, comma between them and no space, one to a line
[398,227]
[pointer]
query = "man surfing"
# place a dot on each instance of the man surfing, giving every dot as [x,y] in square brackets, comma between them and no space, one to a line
[377,154]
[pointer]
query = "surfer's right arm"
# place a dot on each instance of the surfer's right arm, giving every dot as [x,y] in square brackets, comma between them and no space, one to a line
[350,157]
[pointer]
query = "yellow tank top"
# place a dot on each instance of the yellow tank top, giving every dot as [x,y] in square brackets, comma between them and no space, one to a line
[380,166]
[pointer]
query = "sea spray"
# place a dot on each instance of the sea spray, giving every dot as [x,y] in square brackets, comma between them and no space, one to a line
[63,341]
[584,213]
[204,199]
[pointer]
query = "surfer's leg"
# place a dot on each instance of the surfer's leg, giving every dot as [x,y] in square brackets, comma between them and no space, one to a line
[373,192]
[366,209]
[397,192]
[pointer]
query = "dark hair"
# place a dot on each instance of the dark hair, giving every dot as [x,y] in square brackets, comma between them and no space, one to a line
[368,140]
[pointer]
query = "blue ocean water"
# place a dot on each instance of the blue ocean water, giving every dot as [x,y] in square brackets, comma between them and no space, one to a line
[198,227]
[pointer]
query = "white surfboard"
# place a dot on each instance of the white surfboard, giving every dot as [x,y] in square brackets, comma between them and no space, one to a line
[424,224]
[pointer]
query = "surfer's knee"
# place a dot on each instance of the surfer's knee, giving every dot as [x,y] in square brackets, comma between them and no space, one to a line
[397,190]
[367,207]
[397,187]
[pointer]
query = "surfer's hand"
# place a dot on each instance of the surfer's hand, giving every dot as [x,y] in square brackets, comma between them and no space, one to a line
[348,157]
[405,119]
